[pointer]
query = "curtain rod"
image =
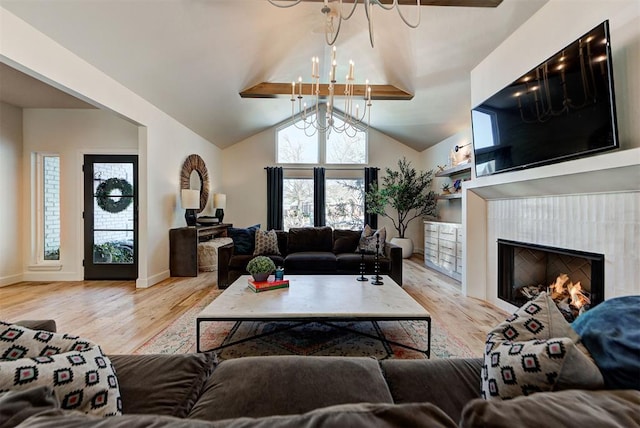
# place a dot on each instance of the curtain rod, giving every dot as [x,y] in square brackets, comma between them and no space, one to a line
[328,169]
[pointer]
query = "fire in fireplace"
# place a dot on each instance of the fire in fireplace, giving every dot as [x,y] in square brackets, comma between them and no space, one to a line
[574,279]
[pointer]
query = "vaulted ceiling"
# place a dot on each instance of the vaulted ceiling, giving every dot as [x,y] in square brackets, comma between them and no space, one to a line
[192,58]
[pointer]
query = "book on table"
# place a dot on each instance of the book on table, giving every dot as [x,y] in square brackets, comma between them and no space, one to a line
[259,286]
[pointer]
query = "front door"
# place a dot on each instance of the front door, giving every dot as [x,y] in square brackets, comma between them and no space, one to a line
[110,217]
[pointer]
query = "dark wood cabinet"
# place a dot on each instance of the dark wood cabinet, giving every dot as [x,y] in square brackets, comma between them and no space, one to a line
[183,246]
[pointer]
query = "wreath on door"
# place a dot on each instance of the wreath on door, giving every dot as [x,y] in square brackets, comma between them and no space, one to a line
[105,199]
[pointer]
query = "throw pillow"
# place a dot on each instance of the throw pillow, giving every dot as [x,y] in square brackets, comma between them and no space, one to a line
[81,376]
[611,333]
[535,350]
[345,241]
[243,239]
[266,243]
[370,239]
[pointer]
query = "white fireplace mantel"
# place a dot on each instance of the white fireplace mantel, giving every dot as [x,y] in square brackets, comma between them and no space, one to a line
[577,194]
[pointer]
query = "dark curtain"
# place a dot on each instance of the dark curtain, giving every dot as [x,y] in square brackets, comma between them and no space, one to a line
[274,198]
[319,199]
[370,177]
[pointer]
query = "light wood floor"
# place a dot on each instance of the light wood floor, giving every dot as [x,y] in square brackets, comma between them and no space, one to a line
[121,318]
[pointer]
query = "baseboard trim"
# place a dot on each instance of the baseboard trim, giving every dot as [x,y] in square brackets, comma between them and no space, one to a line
[10,279]
[152,280]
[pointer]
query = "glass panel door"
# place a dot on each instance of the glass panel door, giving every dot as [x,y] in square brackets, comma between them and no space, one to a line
[110,216]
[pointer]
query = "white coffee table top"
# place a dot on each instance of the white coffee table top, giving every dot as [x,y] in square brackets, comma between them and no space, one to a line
[316,296]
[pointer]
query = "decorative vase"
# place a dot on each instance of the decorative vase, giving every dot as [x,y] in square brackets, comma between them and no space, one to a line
[406,244]
[260,277]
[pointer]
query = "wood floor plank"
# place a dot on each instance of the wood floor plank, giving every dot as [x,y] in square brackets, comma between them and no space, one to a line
[122,318]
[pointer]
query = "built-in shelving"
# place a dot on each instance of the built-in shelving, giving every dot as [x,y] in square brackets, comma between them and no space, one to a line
[456,170]
[451,196]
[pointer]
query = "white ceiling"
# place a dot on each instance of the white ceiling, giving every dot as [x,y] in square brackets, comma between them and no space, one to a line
[191,58]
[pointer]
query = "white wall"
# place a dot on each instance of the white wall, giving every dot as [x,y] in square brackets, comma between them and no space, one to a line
[580,186]
[163,143]
[11,212]
[71,134]
[244,177]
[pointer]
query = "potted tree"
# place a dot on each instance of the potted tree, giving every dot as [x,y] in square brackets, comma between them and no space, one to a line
[407,192]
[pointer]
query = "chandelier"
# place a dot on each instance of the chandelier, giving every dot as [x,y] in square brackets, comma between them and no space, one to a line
[309,118]
[335,14]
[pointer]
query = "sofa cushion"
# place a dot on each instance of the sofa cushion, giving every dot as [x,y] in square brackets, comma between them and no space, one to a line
[611,333]
[345,241]
[575,408]
[284,385]
[80,375]
[370,240]
[266,243]
[430,381]
[350,262]
[243,239]
[310,261]
[162,384]
[536,350]
[310,239]
[239,262]
[16,406]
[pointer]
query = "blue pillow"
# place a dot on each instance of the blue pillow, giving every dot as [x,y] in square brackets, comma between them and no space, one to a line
[611,333]
[243,239]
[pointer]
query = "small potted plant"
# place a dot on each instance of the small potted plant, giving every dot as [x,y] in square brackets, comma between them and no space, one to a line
[261,267]
[446,189]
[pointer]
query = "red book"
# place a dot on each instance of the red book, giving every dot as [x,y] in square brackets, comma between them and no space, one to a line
[259,286]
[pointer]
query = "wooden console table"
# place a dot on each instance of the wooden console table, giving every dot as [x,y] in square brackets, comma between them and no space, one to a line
[183,246]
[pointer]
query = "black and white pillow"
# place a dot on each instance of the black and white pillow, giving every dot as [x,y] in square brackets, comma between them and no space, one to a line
[372,240]
[81,376]
[535,350]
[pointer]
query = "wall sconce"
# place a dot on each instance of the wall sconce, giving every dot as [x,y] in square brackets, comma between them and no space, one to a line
[219,203]
[190,202]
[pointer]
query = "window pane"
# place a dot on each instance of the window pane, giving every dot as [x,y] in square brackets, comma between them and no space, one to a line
[298,202]
[345,147]
[293,146]
[113,247]
[345,203]
[51,207]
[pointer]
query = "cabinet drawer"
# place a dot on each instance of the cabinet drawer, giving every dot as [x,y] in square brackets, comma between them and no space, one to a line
[447,233]
[448,247]
[459,236]
[431,227]
[431,256]
[459,251]
[446,261]
[459,266]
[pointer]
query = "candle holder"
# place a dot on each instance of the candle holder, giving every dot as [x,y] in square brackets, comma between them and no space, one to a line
[362,266]
[377,279]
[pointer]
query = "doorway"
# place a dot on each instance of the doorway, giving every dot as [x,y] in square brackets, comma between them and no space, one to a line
[110,217]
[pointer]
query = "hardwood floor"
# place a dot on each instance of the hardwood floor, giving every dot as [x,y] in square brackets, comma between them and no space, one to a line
[121,318]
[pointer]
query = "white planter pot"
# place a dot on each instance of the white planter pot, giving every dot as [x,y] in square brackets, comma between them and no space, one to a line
[406,244]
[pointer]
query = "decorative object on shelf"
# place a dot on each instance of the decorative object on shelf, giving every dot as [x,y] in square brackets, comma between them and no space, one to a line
[334,13]
[457,185]
[446,188]
[408,193]
[190,202]
[310,115]
[219,204]
[208,220]
[194,164]
[106,201]
[261,267]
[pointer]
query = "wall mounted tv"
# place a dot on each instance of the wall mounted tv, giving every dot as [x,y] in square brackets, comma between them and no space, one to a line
[562,109]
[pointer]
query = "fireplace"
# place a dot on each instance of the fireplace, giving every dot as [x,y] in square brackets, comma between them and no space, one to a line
[574,278]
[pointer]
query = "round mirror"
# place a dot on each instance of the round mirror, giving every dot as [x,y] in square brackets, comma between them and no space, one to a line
[194,175]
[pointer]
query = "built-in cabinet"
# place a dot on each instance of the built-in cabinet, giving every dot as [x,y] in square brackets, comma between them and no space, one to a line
[462,172]
[443,248]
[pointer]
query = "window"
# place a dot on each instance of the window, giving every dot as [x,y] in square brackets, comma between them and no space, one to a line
[344,207]
[297,202]
[48,207]
[294,146]
[346,148]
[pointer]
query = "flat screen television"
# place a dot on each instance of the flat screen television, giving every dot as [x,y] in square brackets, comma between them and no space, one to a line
[562,109]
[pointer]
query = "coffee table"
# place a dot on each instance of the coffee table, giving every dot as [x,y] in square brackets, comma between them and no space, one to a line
[316,298]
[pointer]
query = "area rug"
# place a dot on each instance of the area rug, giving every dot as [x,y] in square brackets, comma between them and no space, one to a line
[316,338]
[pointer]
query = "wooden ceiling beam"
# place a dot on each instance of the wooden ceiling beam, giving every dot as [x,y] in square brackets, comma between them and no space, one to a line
[273,90]
[459,3]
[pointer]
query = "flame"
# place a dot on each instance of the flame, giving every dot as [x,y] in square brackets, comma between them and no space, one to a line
[578,299]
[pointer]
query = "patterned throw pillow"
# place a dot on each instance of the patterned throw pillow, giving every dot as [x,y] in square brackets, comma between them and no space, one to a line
[370,239]
[81,376]
[536,350]
[266,243]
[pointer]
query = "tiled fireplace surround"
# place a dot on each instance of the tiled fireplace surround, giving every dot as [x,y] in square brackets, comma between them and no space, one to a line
[587,210]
